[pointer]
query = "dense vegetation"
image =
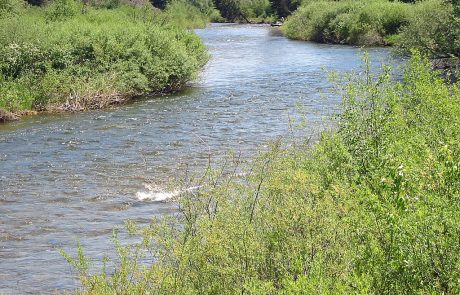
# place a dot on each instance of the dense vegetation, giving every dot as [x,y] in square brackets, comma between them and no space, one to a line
[373,207]
[71,56]
[431,26]
[244,10]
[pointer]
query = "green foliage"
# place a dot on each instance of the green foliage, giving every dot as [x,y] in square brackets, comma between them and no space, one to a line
[193,11]
[111,4]
[63,9]
[434,29]
[284,8]
[229,9]
[348,22]
[187,15]
[252,9]
[244,10]
[10,8]
[74,58]
[431,26]
[372,207]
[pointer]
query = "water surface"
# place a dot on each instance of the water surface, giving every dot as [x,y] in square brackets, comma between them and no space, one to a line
[77,176]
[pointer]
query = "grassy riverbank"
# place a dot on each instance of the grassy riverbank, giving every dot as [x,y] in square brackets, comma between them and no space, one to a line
[67,56]
[373,207]
[431,26]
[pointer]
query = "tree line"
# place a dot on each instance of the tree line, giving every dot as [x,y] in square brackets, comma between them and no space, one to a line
[231,10]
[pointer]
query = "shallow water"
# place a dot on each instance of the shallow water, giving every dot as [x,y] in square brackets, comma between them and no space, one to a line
[77,176]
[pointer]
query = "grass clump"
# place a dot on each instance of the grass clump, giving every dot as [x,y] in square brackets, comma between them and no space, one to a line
[69,56]
[372,207]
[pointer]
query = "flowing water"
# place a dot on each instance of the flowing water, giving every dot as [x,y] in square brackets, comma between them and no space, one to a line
[74,177]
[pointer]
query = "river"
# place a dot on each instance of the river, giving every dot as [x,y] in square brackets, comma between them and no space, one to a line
[72,177]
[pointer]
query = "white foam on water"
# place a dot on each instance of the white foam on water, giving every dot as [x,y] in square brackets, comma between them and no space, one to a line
[156,194]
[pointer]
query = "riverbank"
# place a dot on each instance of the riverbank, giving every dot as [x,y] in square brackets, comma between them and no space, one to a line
[372,207]
[429,26]
[67,56]
[71,177]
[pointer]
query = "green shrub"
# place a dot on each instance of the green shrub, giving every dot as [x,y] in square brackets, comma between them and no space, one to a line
[434,29]
[244,10]
[187,15]
[252,9]
[348,22]
[283,8]
[432,26]
[372,207]
[63,9]
[11,7]
[60,56]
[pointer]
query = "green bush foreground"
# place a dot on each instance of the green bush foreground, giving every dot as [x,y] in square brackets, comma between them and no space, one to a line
[69,56]
[372,207]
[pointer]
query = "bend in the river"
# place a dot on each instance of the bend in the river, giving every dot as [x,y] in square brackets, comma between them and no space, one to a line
[76,176]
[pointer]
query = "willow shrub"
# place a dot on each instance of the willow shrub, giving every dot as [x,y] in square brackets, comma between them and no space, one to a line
[431,26]
[75,56]
[10,8]
[434,29]
[348,22]
[252,11]
[187,15]
[372,207]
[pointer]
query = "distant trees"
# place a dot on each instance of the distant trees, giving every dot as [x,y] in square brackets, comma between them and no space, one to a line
[235,10]
[161,4]
[283,8]
[35,2]
[241,10]
[229,9]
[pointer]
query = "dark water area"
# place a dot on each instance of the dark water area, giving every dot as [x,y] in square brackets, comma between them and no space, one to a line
[74,177]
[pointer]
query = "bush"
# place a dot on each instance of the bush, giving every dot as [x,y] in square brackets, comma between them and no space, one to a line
[348,22]
[61,57]
[434,29]
[244,10]
[373,207]
[11,7]
[252,9]
[432,26]
[283,8]
[63,9]
[187,15]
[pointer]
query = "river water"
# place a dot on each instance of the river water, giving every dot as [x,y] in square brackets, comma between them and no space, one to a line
[74,177]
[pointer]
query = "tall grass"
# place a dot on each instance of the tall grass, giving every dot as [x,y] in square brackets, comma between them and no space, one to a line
[372,207]
[69,56]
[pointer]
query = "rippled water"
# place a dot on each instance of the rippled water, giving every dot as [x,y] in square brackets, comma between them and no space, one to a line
[77,176]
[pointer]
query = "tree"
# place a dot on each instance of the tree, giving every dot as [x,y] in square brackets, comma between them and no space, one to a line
[283,8]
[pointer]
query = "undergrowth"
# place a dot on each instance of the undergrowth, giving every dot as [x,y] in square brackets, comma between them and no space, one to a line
[430,26]
[348,21]
[372,207]
[71,56]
